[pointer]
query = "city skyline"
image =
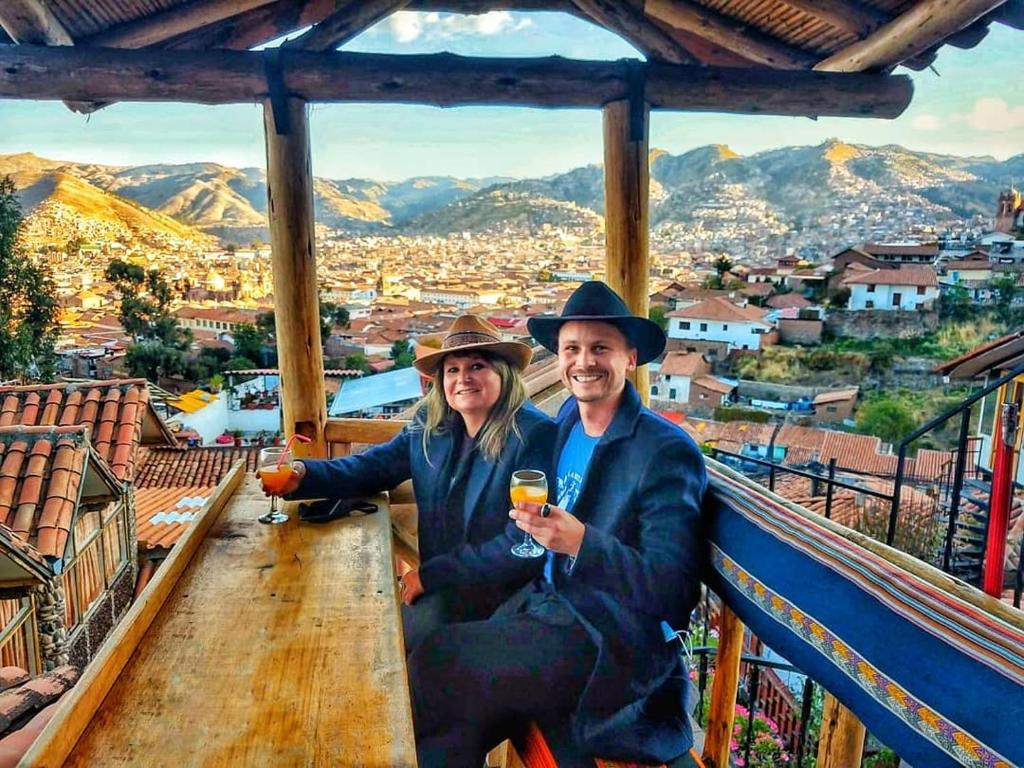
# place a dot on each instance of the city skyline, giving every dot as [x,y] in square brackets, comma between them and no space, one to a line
[974,108]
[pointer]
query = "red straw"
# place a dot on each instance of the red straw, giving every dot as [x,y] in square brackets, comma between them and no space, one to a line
[288,447]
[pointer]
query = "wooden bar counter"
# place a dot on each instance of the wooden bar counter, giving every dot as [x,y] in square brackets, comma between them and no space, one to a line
[274,645]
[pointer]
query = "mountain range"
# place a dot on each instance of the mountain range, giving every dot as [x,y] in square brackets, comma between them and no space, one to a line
[778,190]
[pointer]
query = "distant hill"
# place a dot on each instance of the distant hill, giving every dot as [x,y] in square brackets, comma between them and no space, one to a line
[794,189]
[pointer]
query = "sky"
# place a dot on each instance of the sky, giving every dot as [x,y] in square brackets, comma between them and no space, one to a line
[972,104]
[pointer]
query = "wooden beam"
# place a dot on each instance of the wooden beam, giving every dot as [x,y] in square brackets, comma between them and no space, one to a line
[849,16]
[637,29]
[351,18]
[729,34]
[926,24]
[159,27]
[32,22]
[841,740]
[224,77]
[255,27]
[702,49]
[722,710]
[627,183]
[293,256]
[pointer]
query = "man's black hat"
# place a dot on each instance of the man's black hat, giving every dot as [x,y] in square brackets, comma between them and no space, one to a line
[596,301]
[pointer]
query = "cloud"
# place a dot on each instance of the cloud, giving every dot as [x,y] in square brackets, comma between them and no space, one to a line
[991,114]
[406,26]
[927,122]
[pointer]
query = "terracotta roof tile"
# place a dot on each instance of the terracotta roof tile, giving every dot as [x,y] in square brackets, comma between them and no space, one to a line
[37,693]
[190,467]
[162,515]
[114,411]
[722,310]
[684,364]
[39,494]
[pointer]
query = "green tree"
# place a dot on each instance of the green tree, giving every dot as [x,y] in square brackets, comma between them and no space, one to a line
[332,314]
[955,304]
[1005,292]
[239,364]
[659,314]
[248,341]
[145,311]
[265,322]
[28,304]
[357,362]
[152,359]
[402,353]
[886,418]
[840,298]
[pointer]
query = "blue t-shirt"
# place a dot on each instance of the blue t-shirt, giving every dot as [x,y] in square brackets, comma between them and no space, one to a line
[572,467]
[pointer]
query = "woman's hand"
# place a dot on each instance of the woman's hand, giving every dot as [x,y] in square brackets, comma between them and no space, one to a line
[294,481]
[559,531]
[412,587]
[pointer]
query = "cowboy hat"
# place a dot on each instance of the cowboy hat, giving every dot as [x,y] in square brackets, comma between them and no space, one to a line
[596,301]
[470,333]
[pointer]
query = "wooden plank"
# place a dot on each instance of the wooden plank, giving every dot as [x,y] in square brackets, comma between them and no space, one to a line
[370,431]
[32,22]
[729,34]
[633,26]
[221,77]
[722,710]
[296,293]
[850,16]
[159,27]
[627,182]
[841,739]
[350,19]
[927,23]
[78,708]
[279,645]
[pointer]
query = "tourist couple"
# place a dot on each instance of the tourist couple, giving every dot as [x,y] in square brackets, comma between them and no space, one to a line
[573,639]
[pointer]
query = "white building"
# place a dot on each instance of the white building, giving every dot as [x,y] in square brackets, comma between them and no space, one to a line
[719,320]
[677,370]
[906,288]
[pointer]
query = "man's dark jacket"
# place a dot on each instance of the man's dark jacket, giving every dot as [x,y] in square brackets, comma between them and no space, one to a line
[486,535]
[640,564]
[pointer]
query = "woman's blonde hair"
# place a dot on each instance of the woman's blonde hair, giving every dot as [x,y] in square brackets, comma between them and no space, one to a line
[439,417]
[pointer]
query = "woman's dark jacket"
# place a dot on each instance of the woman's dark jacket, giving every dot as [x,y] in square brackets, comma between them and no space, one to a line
[477,552]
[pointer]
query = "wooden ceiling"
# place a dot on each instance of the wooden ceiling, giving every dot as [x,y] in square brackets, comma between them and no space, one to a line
[692,41]
[826,35]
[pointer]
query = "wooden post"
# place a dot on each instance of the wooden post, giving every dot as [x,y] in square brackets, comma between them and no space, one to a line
[626,194]
[296,295]
[722,710]
[841,741]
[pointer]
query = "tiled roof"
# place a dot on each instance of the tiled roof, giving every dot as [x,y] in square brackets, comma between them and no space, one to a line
[715,385]
[190,467]
[912,276]
[36,699]
[162,515]
[836,396]
[684,364]
[41,478]
[788,300]
[722,310]
[116,413]
[877,249]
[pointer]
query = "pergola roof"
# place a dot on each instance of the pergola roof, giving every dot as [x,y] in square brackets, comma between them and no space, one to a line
[821,35]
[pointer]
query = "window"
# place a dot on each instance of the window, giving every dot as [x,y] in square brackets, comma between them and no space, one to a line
[671,394]
[684,325]
[703,326]
[703,396]
[897,299]
[831,408]
[725,326]
[100,551]
[18,625]
[654,390]
[920,290]
[869,305]
[871,289]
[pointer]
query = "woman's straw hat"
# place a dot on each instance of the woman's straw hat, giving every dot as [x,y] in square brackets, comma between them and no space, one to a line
[470,333]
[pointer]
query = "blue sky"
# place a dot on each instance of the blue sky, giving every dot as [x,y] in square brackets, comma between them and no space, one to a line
[973,106]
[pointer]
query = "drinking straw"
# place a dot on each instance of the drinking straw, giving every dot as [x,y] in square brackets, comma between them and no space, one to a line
[288,447]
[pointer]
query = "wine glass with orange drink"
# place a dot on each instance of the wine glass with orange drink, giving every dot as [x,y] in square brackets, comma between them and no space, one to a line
[532,486]
[275,468]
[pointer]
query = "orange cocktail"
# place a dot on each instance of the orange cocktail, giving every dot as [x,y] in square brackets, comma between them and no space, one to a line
[275,478]
[528,493]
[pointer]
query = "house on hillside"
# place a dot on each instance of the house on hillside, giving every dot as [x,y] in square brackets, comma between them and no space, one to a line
[902,253]
[719,320]
[835,406]
[972,272]
[908,288]
[67,528]
[678,369]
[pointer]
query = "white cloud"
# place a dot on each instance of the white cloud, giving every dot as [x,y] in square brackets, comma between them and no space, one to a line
[927,122]
[993,114]
[407,26]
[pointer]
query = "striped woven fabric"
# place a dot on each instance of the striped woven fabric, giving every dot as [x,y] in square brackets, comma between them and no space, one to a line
[534,752]
[934,676]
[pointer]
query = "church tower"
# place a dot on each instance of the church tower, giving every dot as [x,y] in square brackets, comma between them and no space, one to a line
[1009,211]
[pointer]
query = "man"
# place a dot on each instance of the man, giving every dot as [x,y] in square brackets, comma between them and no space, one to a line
[582,644]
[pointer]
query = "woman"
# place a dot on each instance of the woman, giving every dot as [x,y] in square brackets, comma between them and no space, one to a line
[472,430]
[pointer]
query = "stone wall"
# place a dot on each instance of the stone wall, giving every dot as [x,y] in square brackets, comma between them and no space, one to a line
[102,617]
[881,323]
[53,636]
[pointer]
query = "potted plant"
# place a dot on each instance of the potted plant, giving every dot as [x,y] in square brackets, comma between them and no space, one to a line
[237,435]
